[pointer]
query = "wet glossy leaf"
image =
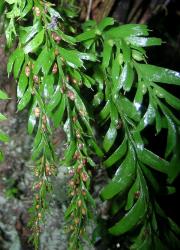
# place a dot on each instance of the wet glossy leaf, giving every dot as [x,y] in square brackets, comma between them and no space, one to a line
[109,137]
[157,74]
[132,218]
[27,33]
[54,100]
[12,59]
[127,84]
[104,113]
[117,155]
[72,58]
[126,79]
[131,194]
[127,108]
[18,63]
[126,51]
[70,152]
[28,7]
[57,116]
[148,118]
[34,43]
[107,52]
[127,30]
[111,134]
[48,82]
[105,22]
[154,161]
[123,178]
[32,119]
[87,56]
[44,61]
[170,99]
[24,100]
[171,137]
[140,92]
[86,35]
[143,41]
[22,84]
[115,70]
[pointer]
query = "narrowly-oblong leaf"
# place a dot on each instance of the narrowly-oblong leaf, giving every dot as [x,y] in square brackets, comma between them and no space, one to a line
[123,178]
[127,30]
[117,155]
[25,100]
[154,161]
[157,74]
[143,41]
[35,42]
[135,215]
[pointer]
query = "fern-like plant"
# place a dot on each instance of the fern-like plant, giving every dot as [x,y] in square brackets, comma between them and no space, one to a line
[94,80]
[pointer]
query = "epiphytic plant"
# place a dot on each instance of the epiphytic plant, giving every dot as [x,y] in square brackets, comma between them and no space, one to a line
[3,136]
[94,81]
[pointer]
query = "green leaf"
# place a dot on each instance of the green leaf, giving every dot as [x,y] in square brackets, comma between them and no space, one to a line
[57,116]
[154,161]
[171,137]
[13,58]
[3,95]
[48,82]
[122,179]
[131,194]
[24,100]
[132,218]
[148,118]
[115,70]
[32,119]
[127,84]
[28,7]
[98,98]
[140,92]
[127,108]
[157,74]
[22,84]
[87,56]
[86,35]
[27,33]
[105,22]
[104,113]
[110,137]
[44,61]
[69,153]
[143,41]
[170,99]
[3,137]
[72,57]
[126,51]
[126,79]
[34,43]
[18,63]
[127,30]
[144,239]
[107,52]
[55,99]
[111,134]
[1,156]
[2,117]
[2,7]
[66,38]
[117,154]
